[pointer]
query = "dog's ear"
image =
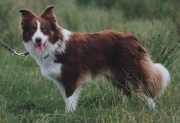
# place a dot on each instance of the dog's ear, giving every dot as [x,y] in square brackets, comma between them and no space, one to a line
[49,14]
[27,14]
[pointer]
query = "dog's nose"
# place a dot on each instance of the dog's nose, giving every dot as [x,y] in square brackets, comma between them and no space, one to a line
[38,40]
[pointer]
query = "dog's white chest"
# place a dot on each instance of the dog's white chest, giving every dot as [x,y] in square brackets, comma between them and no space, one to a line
[49,68]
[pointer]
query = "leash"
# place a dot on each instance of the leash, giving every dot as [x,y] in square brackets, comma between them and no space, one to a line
[13,52]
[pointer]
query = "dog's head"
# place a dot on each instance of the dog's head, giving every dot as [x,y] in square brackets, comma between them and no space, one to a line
[39,32]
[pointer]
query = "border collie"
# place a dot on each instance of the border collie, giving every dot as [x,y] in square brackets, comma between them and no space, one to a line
[70,58]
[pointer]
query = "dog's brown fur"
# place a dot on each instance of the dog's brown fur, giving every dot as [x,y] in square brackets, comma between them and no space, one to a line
[119,53]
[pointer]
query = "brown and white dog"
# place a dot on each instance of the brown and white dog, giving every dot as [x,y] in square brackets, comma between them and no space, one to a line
[69,58]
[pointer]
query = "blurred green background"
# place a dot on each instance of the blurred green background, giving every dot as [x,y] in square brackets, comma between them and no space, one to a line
[26,96]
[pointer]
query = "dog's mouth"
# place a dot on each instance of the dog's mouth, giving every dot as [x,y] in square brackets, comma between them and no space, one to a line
[39,47]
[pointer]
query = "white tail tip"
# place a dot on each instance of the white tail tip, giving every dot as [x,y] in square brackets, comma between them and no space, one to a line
[165,74]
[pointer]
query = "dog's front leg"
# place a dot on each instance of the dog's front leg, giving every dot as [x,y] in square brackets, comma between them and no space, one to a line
[70,92]
[71,101]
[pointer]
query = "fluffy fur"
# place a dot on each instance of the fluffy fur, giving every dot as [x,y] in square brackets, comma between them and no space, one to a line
[70,58]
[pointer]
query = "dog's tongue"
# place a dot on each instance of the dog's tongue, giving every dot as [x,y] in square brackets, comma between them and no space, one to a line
[39,48]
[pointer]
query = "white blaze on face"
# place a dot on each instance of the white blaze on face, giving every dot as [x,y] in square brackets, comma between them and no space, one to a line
[38,34]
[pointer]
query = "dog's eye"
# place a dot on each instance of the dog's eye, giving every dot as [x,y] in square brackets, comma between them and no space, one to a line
[32,29]
[44,29]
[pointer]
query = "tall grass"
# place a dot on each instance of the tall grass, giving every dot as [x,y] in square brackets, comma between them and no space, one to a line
[26,96]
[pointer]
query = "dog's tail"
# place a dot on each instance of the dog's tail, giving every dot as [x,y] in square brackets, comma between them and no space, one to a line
[157,77]
[164,73]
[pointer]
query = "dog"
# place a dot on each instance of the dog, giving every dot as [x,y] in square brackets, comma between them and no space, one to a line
[71,59]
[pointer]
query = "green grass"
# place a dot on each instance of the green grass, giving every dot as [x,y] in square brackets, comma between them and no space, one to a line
[27,96]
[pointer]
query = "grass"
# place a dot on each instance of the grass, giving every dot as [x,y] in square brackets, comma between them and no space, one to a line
[27,96]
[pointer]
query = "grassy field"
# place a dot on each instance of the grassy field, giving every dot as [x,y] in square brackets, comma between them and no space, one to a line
[27,96]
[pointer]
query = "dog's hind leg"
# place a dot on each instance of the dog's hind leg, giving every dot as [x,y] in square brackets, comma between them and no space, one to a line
[150,101]
[121,85]
[126,93]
